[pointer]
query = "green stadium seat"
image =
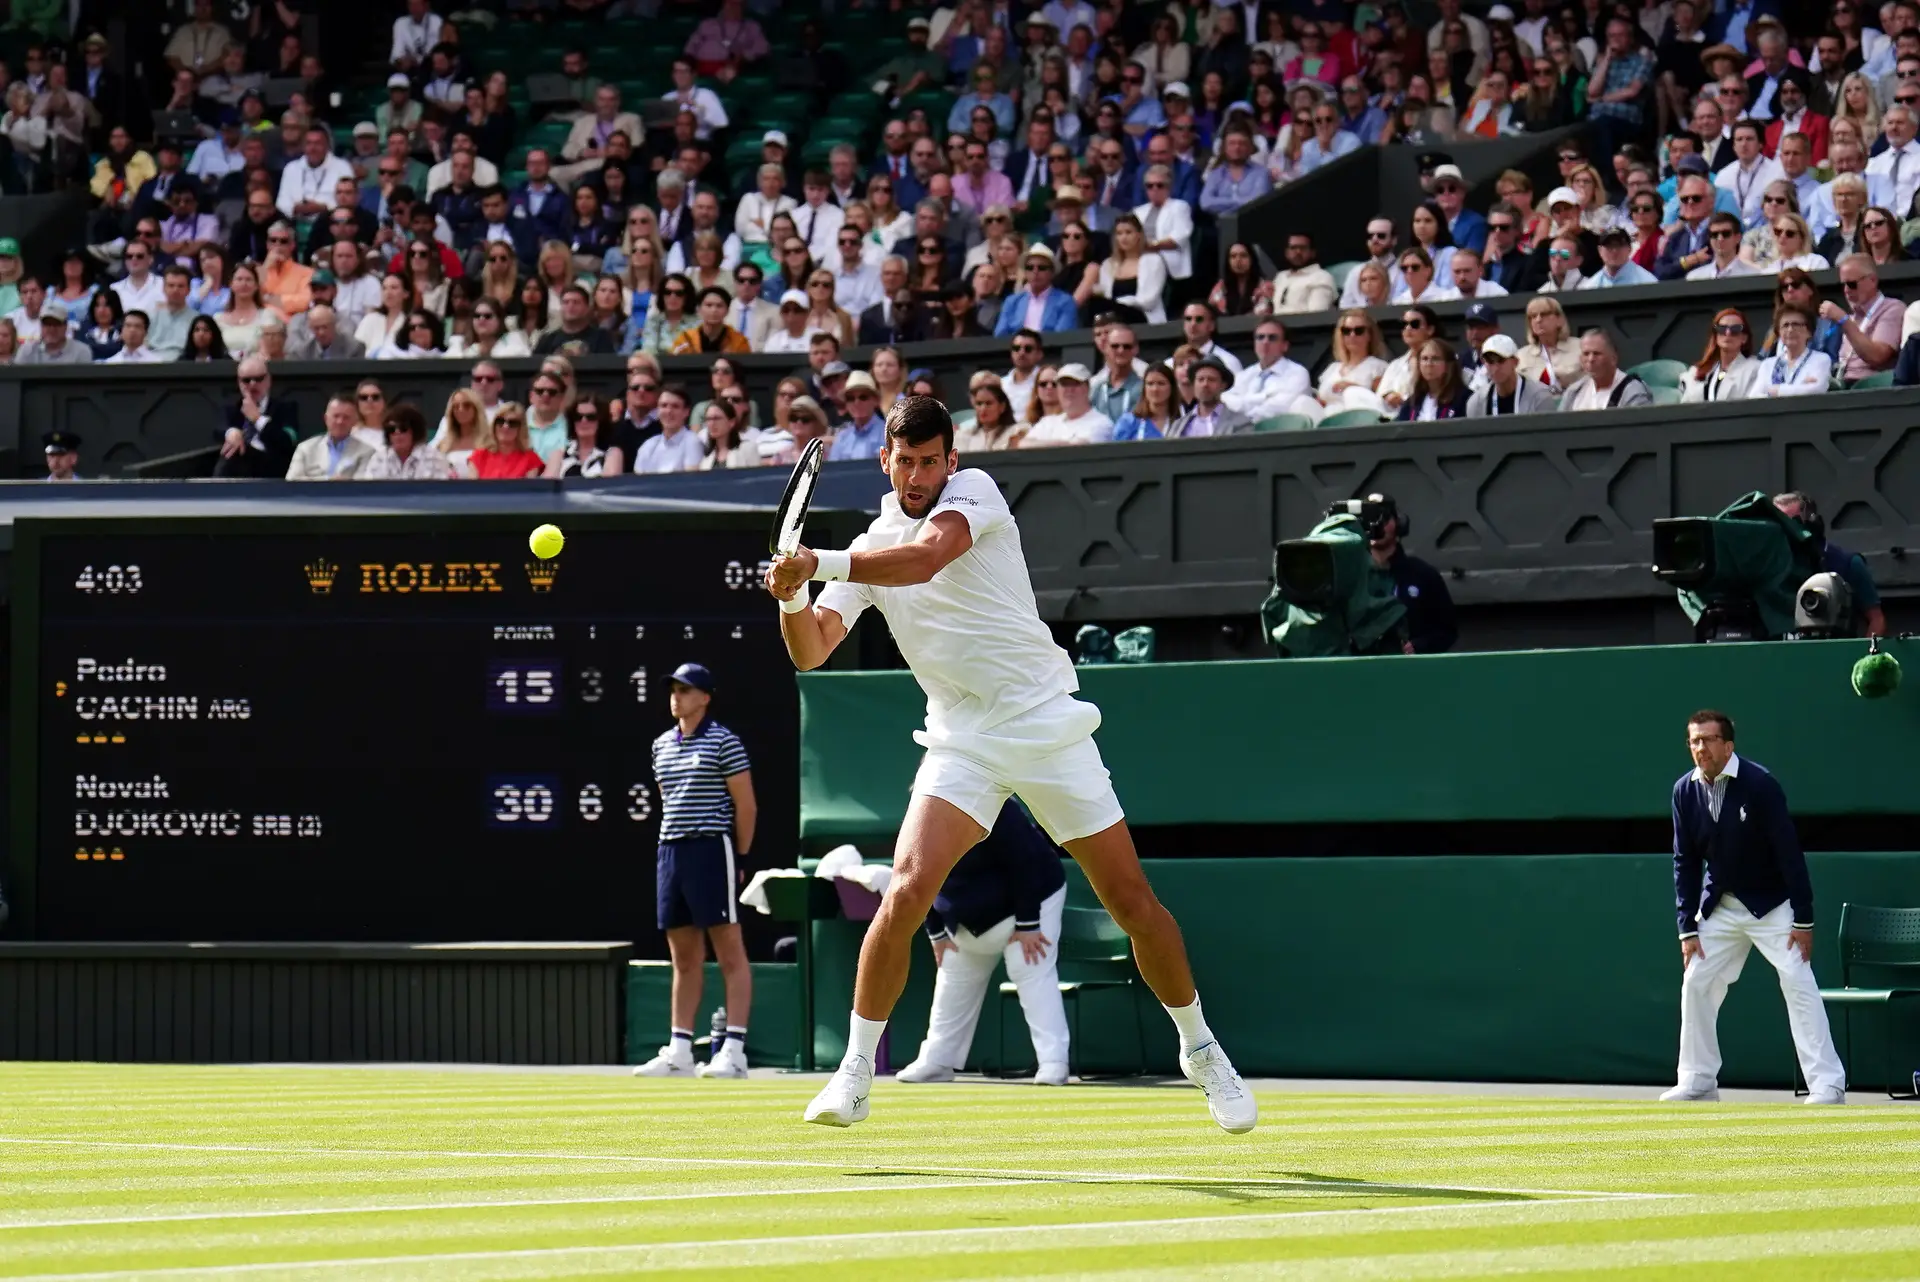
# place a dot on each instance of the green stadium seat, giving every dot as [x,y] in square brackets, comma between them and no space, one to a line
[1353,418]
[1885,942]
[1882,379]
[855,104]
[1665,395]
[1091,944]
[1340,272]
[1285,423]
[1661,373]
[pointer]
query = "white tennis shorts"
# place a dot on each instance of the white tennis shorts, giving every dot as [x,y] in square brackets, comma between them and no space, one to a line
[1046,756]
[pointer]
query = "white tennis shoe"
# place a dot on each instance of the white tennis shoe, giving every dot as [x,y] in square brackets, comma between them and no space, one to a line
[729,1061]
[1228,1098]
[673,1060]
[1825,1097]
[924,1070]
[843,1101]
[1054,1074]
[1691,1095]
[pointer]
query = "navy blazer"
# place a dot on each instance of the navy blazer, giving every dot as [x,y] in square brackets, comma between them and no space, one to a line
[1752,853]
[1007,874]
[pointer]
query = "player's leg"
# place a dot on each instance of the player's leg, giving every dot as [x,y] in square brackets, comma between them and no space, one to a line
[730,950]
[935,834]
[1038,983]
[1723,954]
[959,990]
[1071,795]
[687,947]
[1806,1013]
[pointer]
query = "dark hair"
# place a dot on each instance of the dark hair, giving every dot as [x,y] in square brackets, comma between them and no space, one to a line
[115,308]
[144,318]
[1443,235]
[603,423]
[402,416]
[1707,715]
[733,422]
[916,420]
[1238,290]
[677,389]
[175,269]
[216,350]
[709,292]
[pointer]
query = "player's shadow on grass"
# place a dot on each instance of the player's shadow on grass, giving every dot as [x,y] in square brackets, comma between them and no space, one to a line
[1274,1186]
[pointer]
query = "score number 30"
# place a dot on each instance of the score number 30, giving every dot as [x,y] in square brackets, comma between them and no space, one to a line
[532,801]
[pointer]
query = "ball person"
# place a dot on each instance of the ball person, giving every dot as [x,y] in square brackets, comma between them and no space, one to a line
[707,813]
[1006,896]
[1739,883]
[943,564]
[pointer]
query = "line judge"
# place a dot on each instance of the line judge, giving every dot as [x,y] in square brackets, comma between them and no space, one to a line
[1740,882]
[707,813]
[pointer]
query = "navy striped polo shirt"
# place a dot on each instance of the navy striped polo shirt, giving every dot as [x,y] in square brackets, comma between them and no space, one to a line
[692,772]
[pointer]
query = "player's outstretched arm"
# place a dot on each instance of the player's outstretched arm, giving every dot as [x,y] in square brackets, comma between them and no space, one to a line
[811,633]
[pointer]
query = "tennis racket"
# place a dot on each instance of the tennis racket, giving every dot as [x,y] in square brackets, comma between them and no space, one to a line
[790,518]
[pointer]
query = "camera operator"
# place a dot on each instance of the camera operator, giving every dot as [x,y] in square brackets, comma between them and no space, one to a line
[1850,566]
[1430,623]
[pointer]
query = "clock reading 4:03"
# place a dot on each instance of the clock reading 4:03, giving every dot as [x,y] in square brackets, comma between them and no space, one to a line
[112,580]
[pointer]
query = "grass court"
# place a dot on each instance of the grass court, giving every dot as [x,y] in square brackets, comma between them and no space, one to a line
[123,1171]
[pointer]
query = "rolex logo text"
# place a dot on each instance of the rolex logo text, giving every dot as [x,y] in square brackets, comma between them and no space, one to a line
[431,576]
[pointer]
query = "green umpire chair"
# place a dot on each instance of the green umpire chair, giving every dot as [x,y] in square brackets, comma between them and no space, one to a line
[1884,942]
[1096,946]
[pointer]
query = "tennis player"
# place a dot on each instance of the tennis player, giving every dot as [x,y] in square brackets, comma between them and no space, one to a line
[943,564]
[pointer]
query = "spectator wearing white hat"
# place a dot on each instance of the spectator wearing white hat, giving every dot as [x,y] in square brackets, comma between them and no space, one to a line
[1563,214]
[791,334]
[1167,222]
[1077,423]
[1506,392]
[865,431]
[1039,307]
[399,111]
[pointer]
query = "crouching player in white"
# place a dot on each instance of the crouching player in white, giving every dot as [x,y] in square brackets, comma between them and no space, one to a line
[1005,896]
[943,564]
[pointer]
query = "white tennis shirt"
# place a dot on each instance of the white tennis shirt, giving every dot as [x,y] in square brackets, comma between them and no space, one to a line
[972,635]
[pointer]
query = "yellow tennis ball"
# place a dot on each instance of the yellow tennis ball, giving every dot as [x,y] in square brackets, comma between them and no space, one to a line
[546,542]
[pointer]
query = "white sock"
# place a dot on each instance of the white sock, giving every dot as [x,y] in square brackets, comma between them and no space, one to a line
[680,1043]
[1194,1032]
[863,1036]
[737,1033]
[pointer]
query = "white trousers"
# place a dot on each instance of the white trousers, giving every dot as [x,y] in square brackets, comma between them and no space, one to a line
[1726,937]
[960,988]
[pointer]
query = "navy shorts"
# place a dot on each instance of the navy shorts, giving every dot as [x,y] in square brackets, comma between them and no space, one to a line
[695,883]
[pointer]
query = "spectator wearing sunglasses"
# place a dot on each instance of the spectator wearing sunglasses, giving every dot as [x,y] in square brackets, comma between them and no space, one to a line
[1723,251]
[1688,244]
[1726,367]
[1382,240]
[261,430]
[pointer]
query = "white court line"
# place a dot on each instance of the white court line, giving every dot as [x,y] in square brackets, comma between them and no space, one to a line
[917,1168]
[709,1244]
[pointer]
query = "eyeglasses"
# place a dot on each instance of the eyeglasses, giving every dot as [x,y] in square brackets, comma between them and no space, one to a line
[1413,322]
[1876,224]
[1156,186]
[643,389]
[1413,265]
[546,391]
[1724,233]
[1646,209]
[279,240]
[1047,382]
[1353,331]
[389,173]
[749,279]
[253,378]
[1693,199]
[578,417]
[1570,157]
[1730,327]
[927,251]
[1773,200]
[1786,233]
[1379,235]
[371,396]
[504,421]
[674,291]
[1852,284]
[1027,347]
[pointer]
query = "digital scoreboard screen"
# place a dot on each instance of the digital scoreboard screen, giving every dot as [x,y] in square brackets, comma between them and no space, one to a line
[367,728]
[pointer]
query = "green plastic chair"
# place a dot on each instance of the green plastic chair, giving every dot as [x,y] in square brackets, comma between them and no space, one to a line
[1285,423]
[1661,373]
[1882,379]
[1664,395]
[1095,944]
[1353,418]
[1883,940]
[1340,272]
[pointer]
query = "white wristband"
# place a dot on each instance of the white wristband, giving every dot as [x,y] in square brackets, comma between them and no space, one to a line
[800,601]
[833,567]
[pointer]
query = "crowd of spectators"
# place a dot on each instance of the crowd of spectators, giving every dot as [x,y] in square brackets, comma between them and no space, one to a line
[1071,179]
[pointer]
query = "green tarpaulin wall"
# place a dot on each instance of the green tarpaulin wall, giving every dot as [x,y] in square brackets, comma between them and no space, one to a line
[1546,734]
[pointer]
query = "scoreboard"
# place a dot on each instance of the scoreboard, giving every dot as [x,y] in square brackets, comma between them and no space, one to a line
[373,728]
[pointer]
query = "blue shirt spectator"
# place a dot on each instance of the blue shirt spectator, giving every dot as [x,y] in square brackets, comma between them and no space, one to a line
[866,432]
[1236,180]
[960,119]
[1626,67]
[1358,115]
[1315,153]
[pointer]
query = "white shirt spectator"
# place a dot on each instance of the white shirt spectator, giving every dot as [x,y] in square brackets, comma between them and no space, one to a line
[682,452]
[1019,392]
[1171,221]
[1216,352]
[779,341]
[485,174]
[1090,428]
[414,40]
[144,297]
[1149,287]
[1485,289]
[1748,185]
[706,105]
[1435,294]
[754,216]
[819,225]
[141,355]
[1901,168]
[212,161]
[1350,295]
[301,181]
[1711,271]
[1262,391]
[1808,376]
